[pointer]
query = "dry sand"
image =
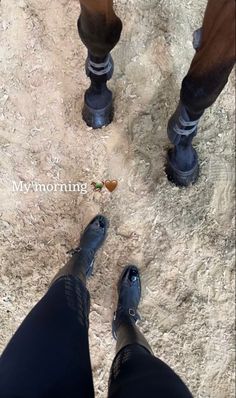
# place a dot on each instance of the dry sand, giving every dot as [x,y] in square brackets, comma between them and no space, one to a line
[183,240]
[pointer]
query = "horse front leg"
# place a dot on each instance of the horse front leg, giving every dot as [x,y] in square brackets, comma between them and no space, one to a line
[207,76]
[99,29]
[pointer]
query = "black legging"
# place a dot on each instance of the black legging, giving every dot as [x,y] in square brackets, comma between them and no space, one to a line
[48,357]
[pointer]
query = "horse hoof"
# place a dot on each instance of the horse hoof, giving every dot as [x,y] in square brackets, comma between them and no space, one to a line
[179,177]
[98,118]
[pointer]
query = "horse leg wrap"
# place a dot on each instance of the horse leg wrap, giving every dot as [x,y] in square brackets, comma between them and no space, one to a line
[98,104]
[182,161]
[182,125]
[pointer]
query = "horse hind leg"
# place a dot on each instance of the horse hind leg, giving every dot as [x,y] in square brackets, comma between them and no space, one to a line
[99,29]
[206,78]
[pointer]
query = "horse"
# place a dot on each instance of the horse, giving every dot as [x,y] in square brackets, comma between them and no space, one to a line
[100,29]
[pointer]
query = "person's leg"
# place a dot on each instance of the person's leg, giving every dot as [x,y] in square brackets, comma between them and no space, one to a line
[48,357]
[135,370]
[206,78]
[99,29]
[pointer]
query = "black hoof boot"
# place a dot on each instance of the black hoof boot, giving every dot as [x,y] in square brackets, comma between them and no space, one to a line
[98,103]
[182,166]
[181,178]
[91,240]
[129,291]
[97,118]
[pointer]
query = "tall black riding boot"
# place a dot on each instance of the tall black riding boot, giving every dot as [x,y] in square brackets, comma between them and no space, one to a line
[135,371]
[126,316]
[81,263]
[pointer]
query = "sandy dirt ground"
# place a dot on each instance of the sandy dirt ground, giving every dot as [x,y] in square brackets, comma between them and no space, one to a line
[183,240]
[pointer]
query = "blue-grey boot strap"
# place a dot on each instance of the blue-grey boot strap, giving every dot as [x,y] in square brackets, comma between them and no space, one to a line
[100,69]
[180,126]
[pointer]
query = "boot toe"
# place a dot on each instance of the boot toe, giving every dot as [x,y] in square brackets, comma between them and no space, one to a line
[129,289]
[95,233]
